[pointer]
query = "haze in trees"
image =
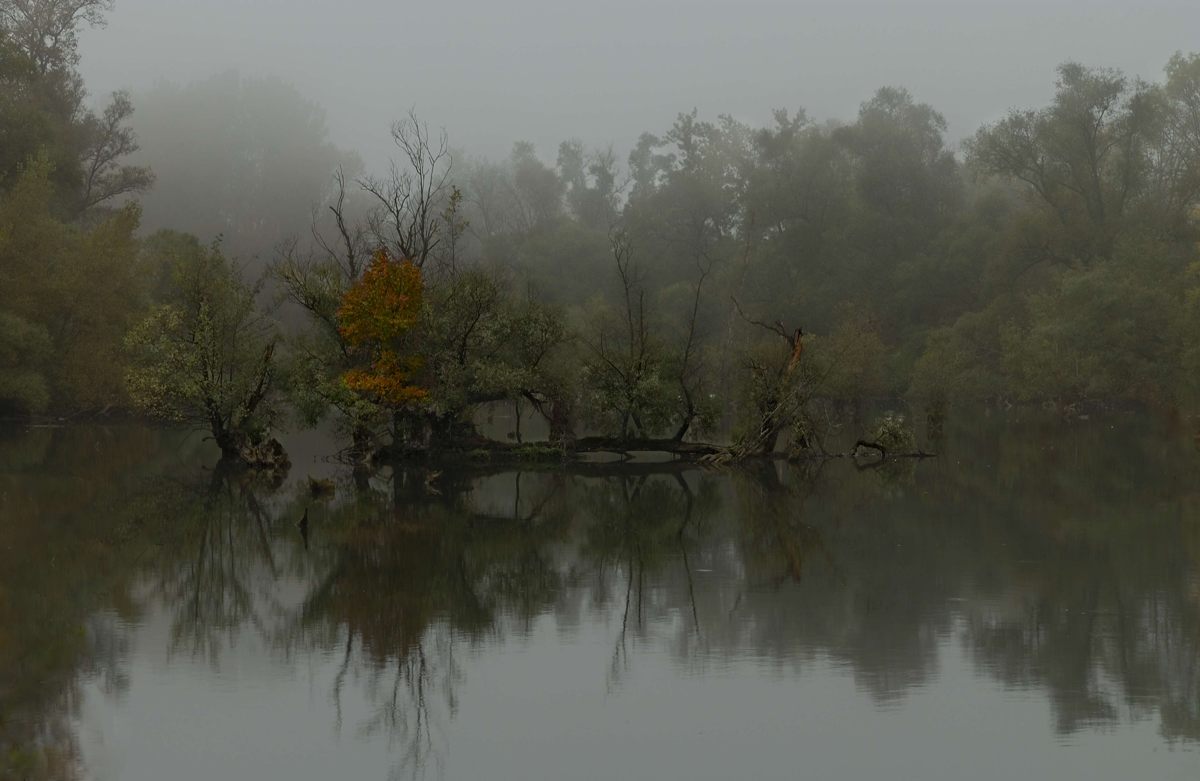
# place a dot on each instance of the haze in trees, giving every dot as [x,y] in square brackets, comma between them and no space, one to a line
[1052,260]
[241,158]
[854,415]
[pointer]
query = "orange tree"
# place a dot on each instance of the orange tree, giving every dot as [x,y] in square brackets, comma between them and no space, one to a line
[433,355]
[377,318]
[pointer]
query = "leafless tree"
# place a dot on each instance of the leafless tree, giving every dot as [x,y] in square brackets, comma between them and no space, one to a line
[315,277]
[348,250]
[411,200]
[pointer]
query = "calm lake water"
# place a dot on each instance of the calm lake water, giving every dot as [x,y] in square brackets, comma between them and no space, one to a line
[1025,606]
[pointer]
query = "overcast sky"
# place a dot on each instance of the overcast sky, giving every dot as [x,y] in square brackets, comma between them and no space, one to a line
[495,71]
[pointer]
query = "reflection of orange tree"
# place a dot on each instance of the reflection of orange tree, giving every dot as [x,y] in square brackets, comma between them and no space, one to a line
[1078,581]
[406,581]
[397,578]
[391,583]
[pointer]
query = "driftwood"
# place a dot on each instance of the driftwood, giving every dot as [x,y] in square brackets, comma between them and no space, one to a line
[621,446]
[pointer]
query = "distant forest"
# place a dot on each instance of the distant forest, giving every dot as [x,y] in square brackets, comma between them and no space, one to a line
[205,254]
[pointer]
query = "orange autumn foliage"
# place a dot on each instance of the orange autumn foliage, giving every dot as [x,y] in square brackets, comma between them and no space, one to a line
[375,317]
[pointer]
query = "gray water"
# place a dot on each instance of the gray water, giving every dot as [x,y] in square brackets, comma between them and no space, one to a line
[1025,606]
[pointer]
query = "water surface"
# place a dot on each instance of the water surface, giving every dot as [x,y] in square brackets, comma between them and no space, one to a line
[1025,606]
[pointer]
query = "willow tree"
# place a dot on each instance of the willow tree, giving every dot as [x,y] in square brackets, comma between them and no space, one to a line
[206,356]
[1089,159]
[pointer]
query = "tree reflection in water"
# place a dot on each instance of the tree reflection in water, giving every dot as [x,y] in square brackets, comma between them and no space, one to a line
[66,569]
[1069,568]
[406,575]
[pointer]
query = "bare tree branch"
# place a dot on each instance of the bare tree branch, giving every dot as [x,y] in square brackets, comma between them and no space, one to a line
[412,199]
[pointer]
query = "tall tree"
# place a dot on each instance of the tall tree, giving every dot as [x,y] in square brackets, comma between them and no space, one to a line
[1086,157]
[42,109]
[206,356]
[80,285]
[47,31]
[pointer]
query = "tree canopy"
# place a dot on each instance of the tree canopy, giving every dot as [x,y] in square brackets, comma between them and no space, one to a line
[723,277]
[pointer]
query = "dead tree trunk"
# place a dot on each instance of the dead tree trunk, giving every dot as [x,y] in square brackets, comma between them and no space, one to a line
[779,406]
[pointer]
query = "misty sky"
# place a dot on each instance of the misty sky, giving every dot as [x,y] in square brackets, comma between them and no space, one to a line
[494,71]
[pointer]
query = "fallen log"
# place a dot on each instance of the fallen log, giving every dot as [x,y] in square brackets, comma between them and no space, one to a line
[578,452]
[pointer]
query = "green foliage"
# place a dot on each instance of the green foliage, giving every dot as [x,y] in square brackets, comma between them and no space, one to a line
[320,355]
[80,286]
[37,112]
[1190,347]
[893,432]
[1089,281]
[1050,264]
[541,258]
[534,453]
[205,356]
[1087,157]
[625,383]
[1109,333]
[70,281]
[24,352]
[962,361]
[481,344]
[849,362]
[42,110]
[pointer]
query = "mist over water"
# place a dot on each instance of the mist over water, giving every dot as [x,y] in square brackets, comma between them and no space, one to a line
[663,389]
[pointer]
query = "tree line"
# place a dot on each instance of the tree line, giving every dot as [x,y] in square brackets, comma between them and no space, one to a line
[725,282]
